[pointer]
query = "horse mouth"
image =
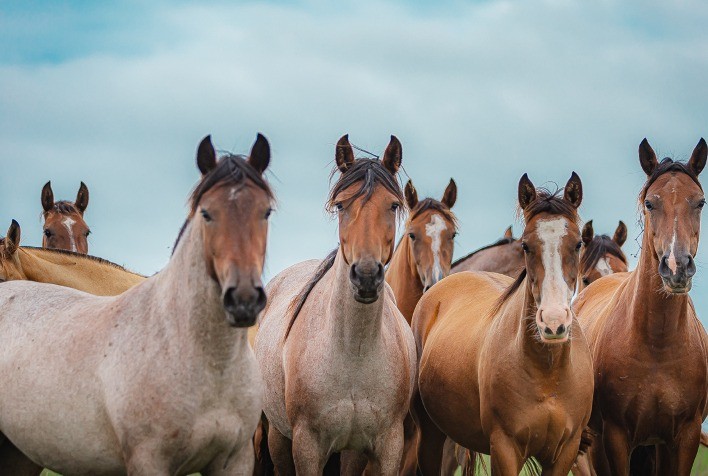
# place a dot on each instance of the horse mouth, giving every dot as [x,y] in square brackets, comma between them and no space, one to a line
[241,319]
[366,297]
[677,288]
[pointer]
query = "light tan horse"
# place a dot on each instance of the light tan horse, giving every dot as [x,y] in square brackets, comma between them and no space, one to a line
[159,380]
[650,351]
[601,255]
[504,256]
[504,368]
[85,273]
[64,225]
[338,356]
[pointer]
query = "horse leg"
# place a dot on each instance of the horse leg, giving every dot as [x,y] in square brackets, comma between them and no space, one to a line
[565,459]
[263,465]
[430,440]
[504,456]
[386,455]
[239,462]
[309,455]
[678,457]
[410,447]
[617,450]
[450,462]
[146,459]
[13,461]
[281,452]
[353,463]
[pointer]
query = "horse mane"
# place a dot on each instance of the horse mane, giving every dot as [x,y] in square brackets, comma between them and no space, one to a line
[80,257]
[64,207]
[667,164]
[231,169]
[432,204]
[596,249]
[371,173]
[499,242]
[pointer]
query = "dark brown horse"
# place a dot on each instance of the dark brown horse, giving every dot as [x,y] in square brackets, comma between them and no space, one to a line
[64,225]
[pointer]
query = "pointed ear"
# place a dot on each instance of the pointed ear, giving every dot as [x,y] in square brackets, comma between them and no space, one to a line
[206,156]
[620,234]
[12,240]
[647,158]
[260,154]
[527,192]
[450,196]
[698,158]
[573,191]
[588,233]
[508,233]
[344,154]
[411,195]
[393,155]
[82,198]
[47,197]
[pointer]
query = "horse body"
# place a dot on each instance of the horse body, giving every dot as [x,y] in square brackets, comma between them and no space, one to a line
[504,257]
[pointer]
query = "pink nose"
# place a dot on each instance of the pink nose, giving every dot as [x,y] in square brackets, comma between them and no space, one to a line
[554,322]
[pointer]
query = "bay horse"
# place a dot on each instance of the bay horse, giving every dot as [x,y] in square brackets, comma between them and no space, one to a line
[504,368]
[83,272]
[601,255]
[504,256]
[338,356]
[650,351]
[159,380]
[64,225]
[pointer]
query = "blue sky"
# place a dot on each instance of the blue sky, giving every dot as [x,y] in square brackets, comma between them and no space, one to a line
[118,94]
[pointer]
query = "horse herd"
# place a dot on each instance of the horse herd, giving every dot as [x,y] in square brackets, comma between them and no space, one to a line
[384,358]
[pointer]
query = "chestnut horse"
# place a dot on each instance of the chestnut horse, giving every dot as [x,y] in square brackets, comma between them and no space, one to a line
[338,356]
[504,368]
[85,273]
[64,225]
[504,257]
[159,380]
[601,255]
[650,351]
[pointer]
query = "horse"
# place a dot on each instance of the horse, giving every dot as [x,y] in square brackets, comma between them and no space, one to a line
[601,255]
[504,256]
[64,225]
[650,351]
[338,355]
[159,380]
[79,271]
[504,368]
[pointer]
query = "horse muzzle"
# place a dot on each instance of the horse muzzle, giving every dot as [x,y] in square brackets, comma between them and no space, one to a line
[367,279]
[242,305]
[677,273]
[554,324]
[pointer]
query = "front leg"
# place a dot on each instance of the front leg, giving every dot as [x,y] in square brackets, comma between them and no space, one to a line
[617,450]
[238,463]
[504,455]
[564,462]
[387,452]
[677,458]
[146,459]
[309,453]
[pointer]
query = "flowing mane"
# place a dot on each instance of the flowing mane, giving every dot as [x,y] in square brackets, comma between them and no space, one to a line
[79,257]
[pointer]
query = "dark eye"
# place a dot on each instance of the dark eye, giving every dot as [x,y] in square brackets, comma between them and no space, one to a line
[267,213]
[702,203]
[586,281]
[395,206]
[578,246]
[648,205]
[47,233]
[339,206]
[206,215]
[525,247]
[454,235]
[88,232]
[411,236]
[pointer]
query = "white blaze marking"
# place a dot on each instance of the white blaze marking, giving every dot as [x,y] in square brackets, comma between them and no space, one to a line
[603,267]
[434,229]
[671,262]
[233,193]
[554,289]
[68,223]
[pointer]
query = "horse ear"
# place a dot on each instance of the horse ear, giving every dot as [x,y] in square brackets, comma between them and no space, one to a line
[82,198]
[411,195]
[527,192]
[698,158]
[344,154]
[450,196]
[12,240]
[206,156]
[620,234]
[573,191]
[47,197]
[260,154]
[508,233]
[393,155]
[588,233]
[647,158]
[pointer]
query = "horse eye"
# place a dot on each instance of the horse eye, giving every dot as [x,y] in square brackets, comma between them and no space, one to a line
[267,213]
[88,232]
[648,205]
[206,215]
[454,235]
[578,246]
[411,236]
[525,247]
[702,203]
[395,206]
[339,206]
[586,281]
[47,233]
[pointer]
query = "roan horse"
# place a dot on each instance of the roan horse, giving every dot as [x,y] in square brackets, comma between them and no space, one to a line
[338,356]
[601,255]
[504,256]
[650,351]
[504,368]
[159,380]
[64,225]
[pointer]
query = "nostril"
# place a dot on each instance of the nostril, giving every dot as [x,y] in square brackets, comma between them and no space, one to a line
[353,275]
[229,299]
[690,267]
[560,330]
[664,270]
[548,331]
[261,299]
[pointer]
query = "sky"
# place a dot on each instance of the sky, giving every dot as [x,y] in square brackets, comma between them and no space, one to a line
[119,94]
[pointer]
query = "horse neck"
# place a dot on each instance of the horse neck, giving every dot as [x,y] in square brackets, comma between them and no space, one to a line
[41,269]
[655,315]
[354,327]
[402,276]
[188,303]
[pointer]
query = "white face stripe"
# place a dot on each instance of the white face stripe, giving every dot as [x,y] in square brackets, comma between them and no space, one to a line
[671,261]
[554,289]
[68,223]
[603,267]
[434,229]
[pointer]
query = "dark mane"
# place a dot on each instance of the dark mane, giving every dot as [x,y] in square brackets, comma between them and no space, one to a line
[370,172]
[432,204]
[64,207]
[230,170]
[667,165]
[597,249]
[80,256]
[501,241]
